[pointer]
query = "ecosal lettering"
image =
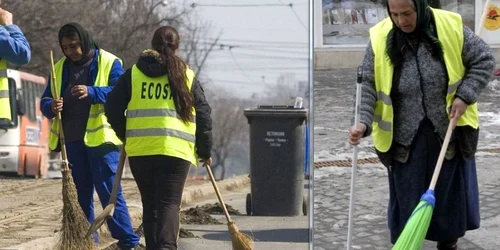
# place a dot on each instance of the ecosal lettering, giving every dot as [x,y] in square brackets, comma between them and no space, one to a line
[156,90]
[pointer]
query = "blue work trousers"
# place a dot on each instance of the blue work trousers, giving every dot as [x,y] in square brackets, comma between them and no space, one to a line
[95,167]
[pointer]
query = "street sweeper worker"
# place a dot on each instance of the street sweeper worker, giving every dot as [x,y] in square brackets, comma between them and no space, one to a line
[84,76]
[14,48]
[423,67]
[167,126]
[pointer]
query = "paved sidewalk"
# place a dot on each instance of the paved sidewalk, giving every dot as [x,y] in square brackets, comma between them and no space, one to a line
[333,98]
[331,208]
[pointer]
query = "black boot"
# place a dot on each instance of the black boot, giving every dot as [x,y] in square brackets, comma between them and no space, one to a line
[447,245]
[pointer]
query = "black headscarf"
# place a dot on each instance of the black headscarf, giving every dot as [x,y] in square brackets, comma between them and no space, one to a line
[424,30]
[87,42]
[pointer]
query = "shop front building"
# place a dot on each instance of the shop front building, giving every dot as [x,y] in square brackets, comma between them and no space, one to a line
[341,27]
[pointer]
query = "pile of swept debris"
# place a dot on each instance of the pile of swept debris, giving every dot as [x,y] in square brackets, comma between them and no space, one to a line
[199,215]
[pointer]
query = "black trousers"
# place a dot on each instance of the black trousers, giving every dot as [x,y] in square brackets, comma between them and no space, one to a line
[160,180]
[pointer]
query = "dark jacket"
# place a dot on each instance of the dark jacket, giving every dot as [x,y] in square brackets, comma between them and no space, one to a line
[119,97]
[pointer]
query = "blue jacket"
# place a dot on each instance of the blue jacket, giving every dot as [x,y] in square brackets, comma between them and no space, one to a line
[96,95]
[13,45]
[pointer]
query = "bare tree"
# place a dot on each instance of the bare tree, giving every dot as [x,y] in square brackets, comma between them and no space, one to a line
[122,27]
[229,128]
[286,89]
[195,47]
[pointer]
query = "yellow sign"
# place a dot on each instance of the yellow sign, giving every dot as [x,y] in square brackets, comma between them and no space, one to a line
[492,21]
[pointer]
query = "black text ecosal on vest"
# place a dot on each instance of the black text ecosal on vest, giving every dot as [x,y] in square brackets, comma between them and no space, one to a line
[155,90]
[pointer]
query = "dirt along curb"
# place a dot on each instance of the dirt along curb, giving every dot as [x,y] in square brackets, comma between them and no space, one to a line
[196,193]
[192,194]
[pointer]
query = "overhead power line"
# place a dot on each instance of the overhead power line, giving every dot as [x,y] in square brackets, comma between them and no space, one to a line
[277,51]
[239,67]
[271,52]
[296,15]
[288,51]
[283,69]
[226,40]
[194,5]
[255,56]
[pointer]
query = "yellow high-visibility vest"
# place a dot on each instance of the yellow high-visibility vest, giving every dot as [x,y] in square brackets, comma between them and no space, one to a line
[450,32]
[98,130]
[4,93]
[153,125]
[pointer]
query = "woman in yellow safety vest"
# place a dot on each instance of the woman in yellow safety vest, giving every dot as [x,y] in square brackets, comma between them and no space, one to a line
[84,76]
[421,68]
[167,127]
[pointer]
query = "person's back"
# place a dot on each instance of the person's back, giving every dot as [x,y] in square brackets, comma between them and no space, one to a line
[167,126]
[14,48]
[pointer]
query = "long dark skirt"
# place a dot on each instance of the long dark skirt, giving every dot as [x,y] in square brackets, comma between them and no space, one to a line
[456,192]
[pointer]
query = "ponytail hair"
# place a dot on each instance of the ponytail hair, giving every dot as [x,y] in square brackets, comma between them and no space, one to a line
[166,42]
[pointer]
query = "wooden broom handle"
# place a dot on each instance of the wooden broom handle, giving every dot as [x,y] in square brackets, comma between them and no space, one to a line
[212,179]
[118,176]
[62,139]
[444,148]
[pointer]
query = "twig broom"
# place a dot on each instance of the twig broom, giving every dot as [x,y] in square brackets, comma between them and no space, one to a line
[240,240]
[74,221]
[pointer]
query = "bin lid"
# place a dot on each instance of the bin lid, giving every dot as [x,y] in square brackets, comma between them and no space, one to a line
[276,111]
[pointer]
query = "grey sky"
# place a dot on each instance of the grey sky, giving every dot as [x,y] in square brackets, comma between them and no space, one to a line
[272,41]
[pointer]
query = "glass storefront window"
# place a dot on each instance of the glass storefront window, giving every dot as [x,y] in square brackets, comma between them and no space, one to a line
[348,21]
[466,8]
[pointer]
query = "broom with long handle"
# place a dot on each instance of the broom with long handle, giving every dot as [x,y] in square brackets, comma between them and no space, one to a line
[74,222]
[240,240]
[109,210]
[413,235]
[359,79]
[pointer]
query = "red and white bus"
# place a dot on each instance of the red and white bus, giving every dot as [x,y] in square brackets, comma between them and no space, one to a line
[24,140]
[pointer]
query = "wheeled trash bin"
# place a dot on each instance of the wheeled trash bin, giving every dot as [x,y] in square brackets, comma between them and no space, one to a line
[277,135]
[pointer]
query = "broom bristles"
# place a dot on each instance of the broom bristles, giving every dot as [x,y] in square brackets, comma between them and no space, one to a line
[240,240]
[74,221]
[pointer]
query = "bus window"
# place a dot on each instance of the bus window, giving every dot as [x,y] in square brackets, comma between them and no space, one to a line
[33,91]
[41,88]
[30,93]
[26,97]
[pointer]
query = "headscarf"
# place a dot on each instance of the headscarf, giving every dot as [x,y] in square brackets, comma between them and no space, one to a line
[424,30]
[87,42]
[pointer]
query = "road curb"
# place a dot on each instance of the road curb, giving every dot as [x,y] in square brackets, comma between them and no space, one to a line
[191,194]
[195,193]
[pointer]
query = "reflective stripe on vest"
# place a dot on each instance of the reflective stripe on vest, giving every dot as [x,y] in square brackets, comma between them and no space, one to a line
[4,93]
[98,130]
[450,31]
[153,125]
